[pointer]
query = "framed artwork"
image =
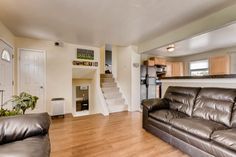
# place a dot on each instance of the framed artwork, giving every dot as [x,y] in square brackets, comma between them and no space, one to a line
[85,54]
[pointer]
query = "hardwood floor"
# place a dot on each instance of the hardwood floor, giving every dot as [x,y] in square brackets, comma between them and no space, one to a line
[117,135]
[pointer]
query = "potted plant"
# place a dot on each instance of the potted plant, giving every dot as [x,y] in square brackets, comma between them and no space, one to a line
[24,101]
[6,112]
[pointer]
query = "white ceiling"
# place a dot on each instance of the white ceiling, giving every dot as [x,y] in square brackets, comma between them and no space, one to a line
[224,37]
[96,22]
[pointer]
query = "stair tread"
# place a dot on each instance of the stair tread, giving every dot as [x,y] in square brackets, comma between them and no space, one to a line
[121,104]
[110,88]
[109,83]
[111,93]
[120,98]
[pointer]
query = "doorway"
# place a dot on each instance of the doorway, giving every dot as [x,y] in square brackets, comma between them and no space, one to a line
[81,98]
[32,75]
[108,59]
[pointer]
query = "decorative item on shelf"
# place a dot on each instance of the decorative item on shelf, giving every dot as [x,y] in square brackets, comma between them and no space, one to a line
[85,63]
[85,54]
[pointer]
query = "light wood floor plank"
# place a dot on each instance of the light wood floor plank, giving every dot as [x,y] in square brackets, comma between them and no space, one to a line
[117,135]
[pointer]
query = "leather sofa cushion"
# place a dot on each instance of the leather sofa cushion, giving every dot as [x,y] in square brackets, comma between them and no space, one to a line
[160,125]
[220,151]
[226,138]
[233,118]
[195,141]
[182,98]
[166,115]
[196,126]
[215,104]
[37,146]
[20,127]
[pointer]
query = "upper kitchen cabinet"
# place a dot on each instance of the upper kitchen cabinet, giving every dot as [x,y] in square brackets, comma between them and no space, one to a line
[158,60]
[177,69]
[174,69]
[219,65]
[149,62]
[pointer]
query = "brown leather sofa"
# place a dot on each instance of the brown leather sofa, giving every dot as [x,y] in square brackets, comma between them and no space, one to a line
[25,136]
[199,121]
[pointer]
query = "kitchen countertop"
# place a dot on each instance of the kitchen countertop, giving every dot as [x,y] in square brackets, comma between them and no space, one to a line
[201,77]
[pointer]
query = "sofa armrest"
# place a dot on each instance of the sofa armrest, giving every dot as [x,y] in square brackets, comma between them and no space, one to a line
[151,105]
[155,104]
[19,127]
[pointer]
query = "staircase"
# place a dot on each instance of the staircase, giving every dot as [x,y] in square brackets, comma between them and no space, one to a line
[114,100]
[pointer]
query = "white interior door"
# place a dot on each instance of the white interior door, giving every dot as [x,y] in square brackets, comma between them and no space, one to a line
[32,76]
[6,72]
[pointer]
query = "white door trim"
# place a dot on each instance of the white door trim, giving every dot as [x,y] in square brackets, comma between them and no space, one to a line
[45,71]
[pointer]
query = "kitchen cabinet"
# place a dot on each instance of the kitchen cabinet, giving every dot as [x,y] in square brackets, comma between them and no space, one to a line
[158,61]
[149,62]
[219,65]
[174,69]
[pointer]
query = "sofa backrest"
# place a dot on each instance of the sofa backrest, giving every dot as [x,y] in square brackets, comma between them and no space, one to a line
[16,128]
[215,104]
[182,98]
[233,117]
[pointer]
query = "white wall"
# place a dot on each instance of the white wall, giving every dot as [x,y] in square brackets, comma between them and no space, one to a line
[124,71]
[6,34]
[135,81]
[102,60]
[114,61]
[223,83]
[128,76]
[58,67]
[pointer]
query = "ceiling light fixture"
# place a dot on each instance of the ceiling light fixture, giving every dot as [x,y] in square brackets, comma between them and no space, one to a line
[170,48]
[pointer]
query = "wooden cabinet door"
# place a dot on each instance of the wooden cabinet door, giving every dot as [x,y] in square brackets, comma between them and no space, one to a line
[168,69]
[159,61]
[177,69]
[149,63]
[219,65]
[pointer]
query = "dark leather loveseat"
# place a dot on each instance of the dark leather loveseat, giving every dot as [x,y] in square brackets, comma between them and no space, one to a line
[25,136]
[199,121]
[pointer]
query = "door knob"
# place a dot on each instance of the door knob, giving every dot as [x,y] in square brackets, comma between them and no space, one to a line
[41,87]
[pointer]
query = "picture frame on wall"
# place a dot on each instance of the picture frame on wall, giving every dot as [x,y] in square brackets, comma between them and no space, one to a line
[85,54]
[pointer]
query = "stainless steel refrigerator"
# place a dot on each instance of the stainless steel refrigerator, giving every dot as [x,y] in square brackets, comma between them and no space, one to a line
[150,82]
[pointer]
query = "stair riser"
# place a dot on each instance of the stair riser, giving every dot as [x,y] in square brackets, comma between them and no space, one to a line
[107,80]
[115,101]
[104,85]
[106,76]
[110,96]
[110,90]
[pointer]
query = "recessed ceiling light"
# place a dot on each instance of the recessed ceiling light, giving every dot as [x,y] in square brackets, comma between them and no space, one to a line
[170,48]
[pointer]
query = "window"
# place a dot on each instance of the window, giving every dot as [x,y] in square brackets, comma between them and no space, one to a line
[199,68]
[6,55]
